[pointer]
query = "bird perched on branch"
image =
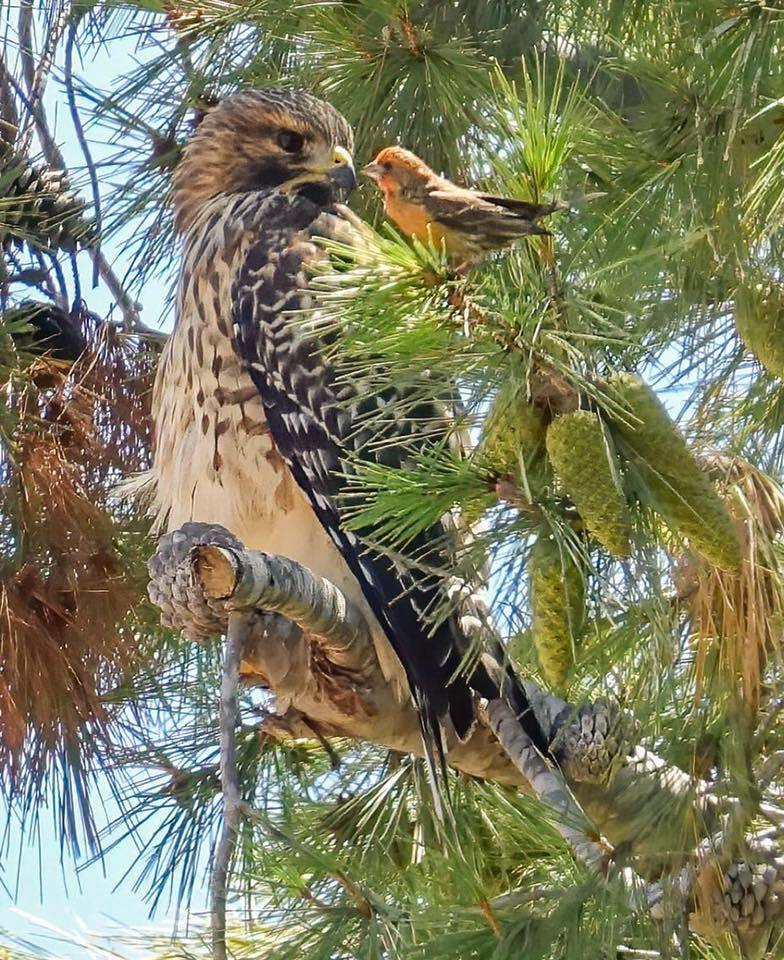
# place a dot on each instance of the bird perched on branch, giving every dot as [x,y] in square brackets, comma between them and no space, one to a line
[432,209]
[255,427]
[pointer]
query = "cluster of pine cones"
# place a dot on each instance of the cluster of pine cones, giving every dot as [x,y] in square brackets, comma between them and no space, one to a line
[599,462]
[752,894]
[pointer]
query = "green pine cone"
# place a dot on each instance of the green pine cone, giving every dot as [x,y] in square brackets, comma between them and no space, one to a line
[759,317]
[580,456]
[558,608]
[685,497]
[513,427]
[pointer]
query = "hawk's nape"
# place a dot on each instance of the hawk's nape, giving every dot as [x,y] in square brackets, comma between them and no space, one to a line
[255,427]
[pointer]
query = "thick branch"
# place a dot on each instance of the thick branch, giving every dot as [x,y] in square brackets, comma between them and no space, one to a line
[257,581]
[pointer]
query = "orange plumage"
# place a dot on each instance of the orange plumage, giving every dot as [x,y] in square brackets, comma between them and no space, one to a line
[433,209]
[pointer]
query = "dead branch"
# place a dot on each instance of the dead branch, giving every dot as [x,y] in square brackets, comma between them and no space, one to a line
[236,638]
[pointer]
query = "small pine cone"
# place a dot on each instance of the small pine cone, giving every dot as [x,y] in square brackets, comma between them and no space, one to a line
[752,893]
[591,742]
[172,589]
[39,207]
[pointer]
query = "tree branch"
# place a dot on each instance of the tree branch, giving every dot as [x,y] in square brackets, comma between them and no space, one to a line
[548,787]
[237,636]
[320,661]
[129,307]
[85,147]
[315,651]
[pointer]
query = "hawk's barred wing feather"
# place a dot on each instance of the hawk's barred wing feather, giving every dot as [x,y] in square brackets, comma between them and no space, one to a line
[315,419]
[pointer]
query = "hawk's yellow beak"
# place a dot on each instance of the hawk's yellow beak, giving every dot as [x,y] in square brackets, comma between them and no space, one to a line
[342,169]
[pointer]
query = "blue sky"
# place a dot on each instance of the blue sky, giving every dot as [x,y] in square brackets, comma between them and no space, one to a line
[48,893]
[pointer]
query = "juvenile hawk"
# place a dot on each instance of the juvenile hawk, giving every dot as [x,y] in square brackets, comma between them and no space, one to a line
[253,425]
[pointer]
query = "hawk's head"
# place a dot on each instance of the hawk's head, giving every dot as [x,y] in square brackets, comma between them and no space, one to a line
[265,139]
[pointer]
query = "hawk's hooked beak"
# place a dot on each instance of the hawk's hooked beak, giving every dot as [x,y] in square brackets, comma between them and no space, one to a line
[341,172]
[373,170]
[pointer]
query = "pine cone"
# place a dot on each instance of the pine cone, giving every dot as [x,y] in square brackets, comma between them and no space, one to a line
[590,743]
[39,207]
[753,893]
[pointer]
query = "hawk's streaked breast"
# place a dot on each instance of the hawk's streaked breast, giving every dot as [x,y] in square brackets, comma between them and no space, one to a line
[215,460]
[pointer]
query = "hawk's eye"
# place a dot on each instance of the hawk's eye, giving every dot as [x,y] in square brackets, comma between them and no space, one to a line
[290,141]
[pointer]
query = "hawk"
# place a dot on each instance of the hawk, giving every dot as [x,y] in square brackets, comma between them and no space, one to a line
[255,427]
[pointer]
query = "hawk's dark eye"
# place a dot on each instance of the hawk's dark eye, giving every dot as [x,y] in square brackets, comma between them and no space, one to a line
[290,141]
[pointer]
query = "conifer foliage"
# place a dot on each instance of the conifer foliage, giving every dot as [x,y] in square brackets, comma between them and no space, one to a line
[619,379]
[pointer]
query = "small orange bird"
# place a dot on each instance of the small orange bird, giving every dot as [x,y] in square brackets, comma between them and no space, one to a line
[434,209]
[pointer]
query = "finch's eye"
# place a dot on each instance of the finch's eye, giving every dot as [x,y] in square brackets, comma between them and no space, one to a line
[387,166]
[290,141]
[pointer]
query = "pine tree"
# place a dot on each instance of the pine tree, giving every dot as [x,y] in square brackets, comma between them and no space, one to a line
[621,379]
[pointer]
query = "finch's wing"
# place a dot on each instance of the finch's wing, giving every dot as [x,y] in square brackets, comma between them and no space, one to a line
[482,218]
[522,208]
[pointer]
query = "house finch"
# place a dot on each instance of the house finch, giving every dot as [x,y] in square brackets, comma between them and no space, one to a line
[431,208]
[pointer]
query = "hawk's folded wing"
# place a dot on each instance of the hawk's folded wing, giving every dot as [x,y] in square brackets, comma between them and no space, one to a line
[318,422]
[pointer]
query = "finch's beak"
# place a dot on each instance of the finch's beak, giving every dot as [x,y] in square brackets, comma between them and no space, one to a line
[342,173]
[373,170]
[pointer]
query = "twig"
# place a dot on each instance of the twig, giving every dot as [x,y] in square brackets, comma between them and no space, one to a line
[508,490]
[25,27]
[37,75]
[548,785]
[8,111]
[46,283]
[492,920]
[519,898]
[236,635]
[361,902]
[129,307]
[85,147]
[62,297]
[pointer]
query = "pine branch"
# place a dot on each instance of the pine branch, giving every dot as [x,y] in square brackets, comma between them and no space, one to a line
[642,805]
[548,786]
[201,574]
[81,137]
[35,109]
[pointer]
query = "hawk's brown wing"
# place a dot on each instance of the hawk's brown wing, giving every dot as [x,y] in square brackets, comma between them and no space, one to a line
[318,422]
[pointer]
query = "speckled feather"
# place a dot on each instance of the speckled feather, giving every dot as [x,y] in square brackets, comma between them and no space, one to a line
[317,425]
